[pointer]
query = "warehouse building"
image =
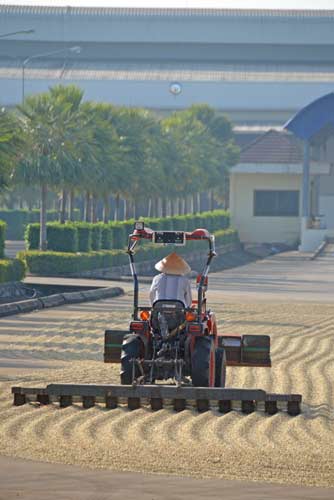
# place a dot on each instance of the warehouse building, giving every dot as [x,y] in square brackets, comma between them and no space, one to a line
[259,66]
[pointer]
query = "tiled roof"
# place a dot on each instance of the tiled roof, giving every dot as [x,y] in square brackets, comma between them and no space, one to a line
[156,71]
[273,147]
[139,12]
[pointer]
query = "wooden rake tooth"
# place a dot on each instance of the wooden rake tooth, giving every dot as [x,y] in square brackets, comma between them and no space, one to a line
[179,404]
[43,399]
[65,401]
[133,403]
[19,399]
[270,407]
[293,408]
[156,404]
[202,405]
[111,402]
[88,402]
[225,406]
[247,407]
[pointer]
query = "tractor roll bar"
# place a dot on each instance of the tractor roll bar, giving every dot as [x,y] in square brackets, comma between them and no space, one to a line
[147,234]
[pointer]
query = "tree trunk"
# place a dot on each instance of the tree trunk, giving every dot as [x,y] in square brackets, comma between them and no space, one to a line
[211,200]
[94,208]
[43,244]
[126,209]
[88,207]
[149,208]
[71,205]
[191,204]
[63,206]
[106,209]
[164,207]
[116,213]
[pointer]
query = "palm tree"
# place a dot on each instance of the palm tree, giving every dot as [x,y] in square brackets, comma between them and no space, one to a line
[11,144]
[54,135]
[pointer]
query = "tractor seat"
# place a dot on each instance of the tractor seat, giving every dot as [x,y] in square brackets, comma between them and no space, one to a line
[172,310]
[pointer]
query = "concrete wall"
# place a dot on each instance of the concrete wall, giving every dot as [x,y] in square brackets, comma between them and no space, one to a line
[262,229]
[231,97]
[142,25]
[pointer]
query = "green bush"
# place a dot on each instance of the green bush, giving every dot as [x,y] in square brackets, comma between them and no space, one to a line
[62,263]
[62,237]
[3,227]
[106,237]
[12,270]
[84,236]
[96,236]
[31,236]
[17,220]
[119,237]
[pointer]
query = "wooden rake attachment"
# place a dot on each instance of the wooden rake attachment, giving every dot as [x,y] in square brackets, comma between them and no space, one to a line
[158,395]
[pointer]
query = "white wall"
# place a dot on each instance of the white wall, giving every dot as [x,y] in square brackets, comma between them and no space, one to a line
[262,229]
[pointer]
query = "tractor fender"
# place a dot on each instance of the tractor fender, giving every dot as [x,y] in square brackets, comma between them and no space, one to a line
[128,338]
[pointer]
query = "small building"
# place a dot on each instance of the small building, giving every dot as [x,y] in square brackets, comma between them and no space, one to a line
[266,191]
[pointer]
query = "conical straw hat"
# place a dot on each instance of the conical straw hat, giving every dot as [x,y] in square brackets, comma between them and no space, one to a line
[173,264]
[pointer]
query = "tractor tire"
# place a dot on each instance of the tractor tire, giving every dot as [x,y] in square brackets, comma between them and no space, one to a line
[220,377]
[130,349]
[203,362]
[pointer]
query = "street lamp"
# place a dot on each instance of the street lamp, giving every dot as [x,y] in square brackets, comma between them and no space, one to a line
[21,32]
[73,50]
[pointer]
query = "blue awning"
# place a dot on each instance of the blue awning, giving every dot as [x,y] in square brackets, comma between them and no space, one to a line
[313,117]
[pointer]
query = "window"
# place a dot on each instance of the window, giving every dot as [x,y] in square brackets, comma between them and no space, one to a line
[276,203]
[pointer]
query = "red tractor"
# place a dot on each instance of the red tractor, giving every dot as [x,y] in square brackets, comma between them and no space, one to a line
[169,341]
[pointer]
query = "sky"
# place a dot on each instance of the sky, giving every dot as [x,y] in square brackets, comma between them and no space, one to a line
[237,4]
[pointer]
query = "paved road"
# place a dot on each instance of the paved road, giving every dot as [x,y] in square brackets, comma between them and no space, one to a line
[40,481]
[12,247]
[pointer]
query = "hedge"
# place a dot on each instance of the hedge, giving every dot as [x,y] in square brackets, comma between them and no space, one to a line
[84,236]
[61,263]
[12,270]
[212,221]
[96,236]
[3,227]
[62,237]
[114,235]
[106,237]
[17,220]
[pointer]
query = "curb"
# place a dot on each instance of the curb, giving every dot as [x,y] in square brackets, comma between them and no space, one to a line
[58,299]
[319,250]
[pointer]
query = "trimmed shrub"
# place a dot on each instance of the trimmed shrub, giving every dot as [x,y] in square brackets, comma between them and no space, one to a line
[17,220]
[61,263]
[96,231]
[62,237]
[12,270]
[84,236]
[119,237]
[106,237]
[32,236]
[3,227]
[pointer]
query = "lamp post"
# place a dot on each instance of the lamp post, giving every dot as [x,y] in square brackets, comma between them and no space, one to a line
[21,32]
[74,50]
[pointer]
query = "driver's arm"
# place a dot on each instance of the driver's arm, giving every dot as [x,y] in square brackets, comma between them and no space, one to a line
[187,293]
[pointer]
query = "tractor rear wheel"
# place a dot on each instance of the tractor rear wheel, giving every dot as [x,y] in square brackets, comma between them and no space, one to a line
[220,377]
[130,350]
[203,362]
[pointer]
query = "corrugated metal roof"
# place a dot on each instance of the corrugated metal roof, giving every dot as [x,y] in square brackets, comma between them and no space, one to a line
[183,71]
[139,12]
[273,147]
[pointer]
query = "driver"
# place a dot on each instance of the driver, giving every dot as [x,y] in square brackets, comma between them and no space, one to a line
[171,284]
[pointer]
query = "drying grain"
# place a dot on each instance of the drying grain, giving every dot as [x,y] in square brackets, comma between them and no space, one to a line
[234,446]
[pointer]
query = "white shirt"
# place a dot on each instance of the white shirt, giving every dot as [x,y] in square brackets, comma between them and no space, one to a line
[171,287]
